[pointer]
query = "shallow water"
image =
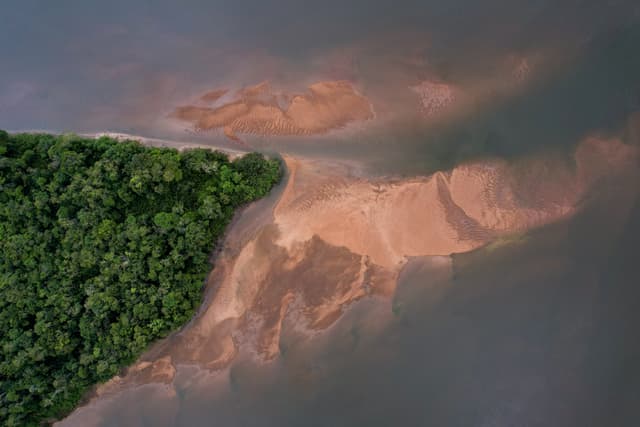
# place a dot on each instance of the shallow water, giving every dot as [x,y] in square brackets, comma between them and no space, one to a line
[123,66]
[536,330]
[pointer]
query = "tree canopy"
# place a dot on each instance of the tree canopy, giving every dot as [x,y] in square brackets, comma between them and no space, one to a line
[104,247]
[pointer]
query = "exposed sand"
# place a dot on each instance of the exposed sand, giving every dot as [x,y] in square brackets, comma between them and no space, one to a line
[156,142]
[259,110]
[336,237]
[403,83]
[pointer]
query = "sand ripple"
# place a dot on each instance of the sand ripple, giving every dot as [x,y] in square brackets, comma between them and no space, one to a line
[336,238]
[258,110]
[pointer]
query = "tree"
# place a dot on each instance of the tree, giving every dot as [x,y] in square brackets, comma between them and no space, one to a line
[104,248]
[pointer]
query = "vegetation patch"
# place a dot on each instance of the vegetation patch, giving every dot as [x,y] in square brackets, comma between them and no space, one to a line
[104,248]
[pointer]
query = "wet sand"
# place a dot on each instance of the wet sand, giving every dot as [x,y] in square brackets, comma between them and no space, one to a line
[503,337]
[157,142]
[336,236]
[427,148]
[259,110]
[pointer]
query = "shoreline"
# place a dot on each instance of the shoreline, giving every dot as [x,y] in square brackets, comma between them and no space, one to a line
[147,141]
[323,269]
[119,382]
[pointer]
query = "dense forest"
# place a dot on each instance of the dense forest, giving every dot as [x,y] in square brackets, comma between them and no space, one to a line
[104,247]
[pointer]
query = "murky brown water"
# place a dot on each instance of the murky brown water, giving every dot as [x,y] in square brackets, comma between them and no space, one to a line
[531,330]
[502,132]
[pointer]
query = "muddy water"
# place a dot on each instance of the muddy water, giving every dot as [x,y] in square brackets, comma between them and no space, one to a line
[533,331]
[125,66]
[335,301]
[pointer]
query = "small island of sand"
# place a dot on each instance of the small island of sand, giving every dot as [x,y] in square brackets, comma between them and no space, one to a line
[259,110]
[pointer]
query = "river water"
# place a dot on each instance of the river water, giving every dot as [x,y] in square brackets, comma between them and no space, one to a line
[538,330]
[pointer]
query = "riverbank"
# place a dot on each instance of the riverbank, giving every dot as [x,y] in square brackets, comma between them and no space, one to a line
[333,237]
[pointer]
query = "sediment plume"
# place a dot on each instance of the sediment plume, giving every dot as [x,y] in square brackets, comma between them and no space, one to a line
[259,110]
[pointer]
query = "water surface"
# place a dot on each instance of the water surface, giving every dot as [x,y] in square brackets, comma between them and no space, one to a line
[537,331]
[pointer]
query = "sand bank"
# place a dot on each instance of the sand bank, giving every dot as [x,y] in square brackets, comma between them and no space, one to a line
[259,110]
[157,142]
[335,237]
